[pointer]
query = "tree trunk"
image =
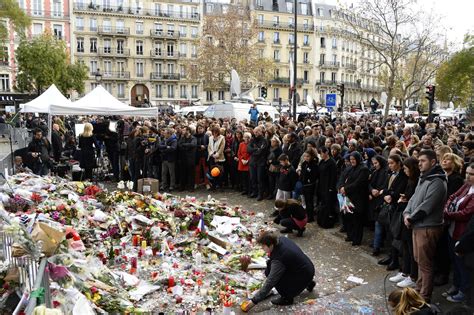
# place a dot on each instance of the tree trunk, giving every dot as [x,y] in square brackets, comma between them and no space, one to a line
[391,83]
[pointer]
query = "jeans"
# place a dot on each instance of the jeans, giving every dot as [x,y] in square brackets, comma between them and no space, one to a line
[379,235]
[168,168]
[257,180]
[461,274]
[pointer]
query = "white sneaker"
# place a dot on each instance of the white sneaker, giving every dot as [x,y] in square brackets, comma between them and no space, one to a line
[397,278]
[407,283]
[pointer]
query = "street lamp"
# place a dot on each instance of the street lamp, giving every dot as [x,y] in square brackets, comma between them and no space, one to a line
[295,53]
[98,76]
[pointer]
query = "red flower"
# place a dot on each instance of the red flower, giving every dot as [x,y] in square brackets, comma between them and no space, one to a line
[35,197]
[94,290]
[56,304]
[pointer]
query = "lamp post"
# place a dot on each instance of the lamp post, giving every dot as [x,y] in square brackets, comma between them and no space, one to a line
[98,76]
[294,59]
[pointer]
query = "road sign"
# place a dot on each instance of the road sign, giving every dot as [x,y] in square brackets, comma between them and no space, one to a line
[330,100]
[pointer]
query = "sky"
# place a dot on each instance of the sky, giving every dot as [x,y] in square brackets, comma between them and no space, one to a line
[456,15]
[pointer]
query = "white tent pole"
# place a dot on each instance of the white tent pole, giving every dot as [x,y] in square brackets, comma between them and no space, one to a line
[50,127]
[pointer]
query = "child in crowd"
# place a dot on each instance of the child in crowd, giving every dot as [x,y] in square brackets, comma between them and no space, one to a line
[287,180]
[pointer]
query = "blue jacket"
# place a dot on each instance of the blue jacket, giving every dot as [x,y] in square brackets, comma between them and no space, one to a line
[168,149]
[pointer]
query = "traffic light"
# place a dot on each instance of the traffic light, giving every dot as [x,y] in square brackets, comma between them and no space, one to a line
[340,89]
[264,92]
[430,93]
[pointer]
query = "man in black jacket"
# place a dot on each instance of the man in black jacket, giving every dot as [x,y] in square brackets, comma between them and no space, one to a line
[202,142]
[187,159]
[57,142]
[39,150]
[258,150]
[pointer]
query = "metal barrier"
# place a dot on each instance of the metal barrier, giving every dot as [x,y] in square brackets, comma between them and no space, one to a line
[20,137]
[34,276]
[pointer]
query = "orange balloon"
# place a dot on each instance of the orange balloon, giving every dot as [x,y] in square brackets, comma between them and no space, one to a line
[215,172]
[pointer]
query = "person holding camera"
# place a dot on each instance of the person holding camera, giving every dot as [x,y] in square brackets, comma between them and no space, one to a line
[39,150]
[168,148]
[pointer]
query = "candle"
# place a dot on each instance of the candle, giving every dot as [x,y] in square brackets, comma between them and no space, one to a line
[144,244]
[171,281]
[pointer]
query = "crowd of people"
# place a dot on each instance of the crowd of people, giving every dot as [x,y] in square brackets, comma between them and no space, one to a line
[411,183]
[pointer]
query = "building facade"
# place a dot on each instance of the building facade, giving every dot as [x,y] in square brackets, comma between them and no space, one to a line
[52,16]
[138,49]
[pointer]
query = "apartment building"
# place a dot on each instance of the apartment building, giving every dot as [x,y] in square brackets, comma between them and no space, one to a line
[138,49]
[46,16]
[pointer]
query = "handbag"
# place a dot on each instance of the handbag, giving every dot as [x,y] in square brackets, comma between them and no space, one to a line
[384,214]
[396,219]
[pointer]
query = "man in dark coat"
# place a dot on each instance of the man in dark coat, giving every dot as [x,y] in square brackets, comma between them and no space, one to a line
[258,150]
[57,142]
[288,270]
[187,159]
[168,148]
[293,150]
[356,189]
[326,192]
[39,150]
[202,142]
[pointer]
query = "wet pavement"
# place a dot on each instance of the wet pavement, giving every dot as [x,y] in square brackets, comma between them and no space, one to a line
[335,260]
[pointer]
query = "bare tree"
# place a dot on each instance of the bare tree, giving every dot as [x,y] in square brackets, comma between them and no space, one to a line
[229,42]
[389,20]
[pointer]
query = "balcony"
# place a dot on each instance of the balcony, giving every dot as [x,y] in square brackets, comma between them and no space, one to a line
[276,42]
[157,76]
[47,14]
[329,64]
[164,35]
[286,81]
[182,55]
[113,75]
[194,16]
[351,67]
[261,40]
[109,30]
[114,52]
[155,53]
[286,26]
[326,83]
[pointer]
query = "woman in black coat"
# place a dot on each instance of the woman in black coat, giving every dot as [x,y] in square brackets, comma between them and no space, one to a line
[308,177]
[396,185]
[378,179]
[86,144]
[327,193]
[356,189]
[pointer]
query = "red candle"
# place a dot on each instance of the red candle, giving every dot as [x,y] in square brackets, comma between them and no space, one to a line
[171,281]
[134,262]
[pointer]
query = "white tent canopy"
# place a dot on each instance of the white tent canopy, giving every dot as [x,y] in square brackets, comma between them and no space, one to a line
[101,102]
[41,104]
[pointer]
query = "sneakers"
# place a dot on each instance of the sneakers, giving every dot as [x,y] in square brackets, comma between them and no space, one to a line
[451,291]
[458,298]
[397,278]
[406,283]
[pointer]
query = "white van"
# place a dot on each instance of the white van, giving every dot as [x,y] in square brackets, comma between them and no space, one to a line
[238,110]
[195,110]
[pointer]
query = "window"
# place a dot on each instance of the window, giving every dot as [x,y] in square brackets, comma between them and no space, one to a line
[170,68]
[37,7]
[305,24]
[93,66]
[305,57]
[260,19]
[170,49]
[107,26]
[276,20]
[182,31]
[304,8]
[276,73]
[37,29]
[334,42]
[320,12]
[276,94]
[276,37]
[260,53]
[194,91]
[182,91]
[4,56]
[276,55]
[58,31]
[121,90]
[194,51]
[108,87]
[158,90]
[289,7]
[170,91]
[334,59]
[158,48]
[261,36]
[170,29]
[139,27]
[80,44]
[106,4]
[323,42]
[4,82]
[93,25]
[93,45]
[321,76]
[139,69]
[305,95]
[209,96]
[158,69]
[306,40]
[79,23]
[107,46]
[209,7]
[194,32]
[322,58]
[182,71]
[183,49]
[120,26]
[120,45]
[157,9]
[333,76]
[121,68]
[21,4]
[220,95]
[291,38]
[57,12]
[94,85]
[291,22]
[107,68]
[139,46]
[306,75]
